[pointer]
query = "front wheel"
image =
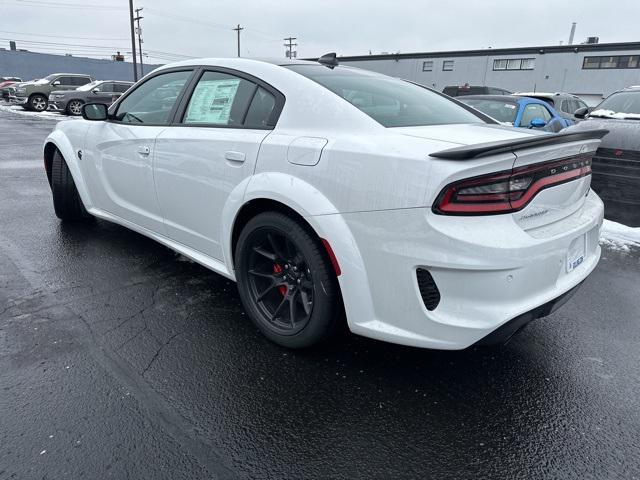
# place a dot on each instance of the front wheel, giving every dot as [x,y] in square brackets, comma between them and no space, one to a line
[74,107]
[38,102]
[286,282]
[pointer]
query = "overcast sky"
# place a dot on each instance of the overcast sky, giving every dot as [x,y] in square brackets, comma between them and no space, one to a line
[349,27]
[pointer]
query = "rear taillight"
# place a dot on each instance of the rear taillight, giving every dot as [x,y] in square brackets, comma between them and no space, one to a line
[508,191]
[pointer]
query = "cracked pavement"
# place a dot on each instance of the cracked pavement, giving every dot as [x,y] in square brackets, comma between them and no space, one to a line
[118,359]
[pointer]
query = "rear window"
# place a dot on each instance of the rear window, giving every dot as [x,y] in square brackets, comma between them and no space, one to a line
[389,101]
[499,109]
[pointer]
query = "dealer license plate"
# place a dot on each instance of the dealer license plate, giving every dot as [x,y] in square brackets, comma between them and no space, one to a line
[576,253]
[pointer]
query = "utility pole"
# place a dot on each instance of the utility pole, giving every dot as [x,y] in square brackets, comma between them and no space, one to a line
[133,42]
[239,29]
[290,53]
[139,32]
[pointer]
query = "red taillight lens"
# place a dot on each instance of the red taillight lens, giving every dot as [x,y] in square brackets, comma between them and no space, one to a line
[508,191]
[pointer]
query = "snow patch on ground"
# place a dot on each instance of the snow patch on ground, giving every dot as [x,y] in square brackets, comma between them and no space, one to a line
[17,109]
[618,236]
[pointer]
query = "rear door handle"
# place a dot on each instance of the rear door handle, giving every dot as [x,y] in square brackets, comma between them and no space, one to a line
[234,156]
[144,150]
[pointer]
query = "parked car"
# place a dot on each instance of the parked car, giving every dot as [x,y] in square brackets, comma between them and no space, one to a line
[523,112]
[5,86]
[34,95]
[616,164]
[317,186]
[102,91]
[564,103]
[466,89]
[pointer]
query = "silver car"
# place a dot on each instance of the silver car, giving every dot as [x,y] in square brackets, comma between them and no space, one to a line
[102,91]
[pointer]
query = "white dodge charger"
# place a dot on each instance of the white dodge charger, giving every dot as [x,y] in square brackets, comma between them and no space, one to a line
[328,192]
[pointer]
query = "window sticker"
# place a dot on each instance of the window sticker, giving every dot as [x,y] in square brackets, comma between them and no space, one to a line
[211,101]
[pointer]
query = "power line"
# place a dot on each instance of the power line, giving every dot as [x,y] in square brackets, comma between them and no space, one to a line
[60,36]
[41,4]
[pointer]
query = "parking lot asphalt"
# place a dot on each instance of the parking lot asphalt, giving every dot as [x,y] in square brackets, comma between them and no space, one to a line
[120,359]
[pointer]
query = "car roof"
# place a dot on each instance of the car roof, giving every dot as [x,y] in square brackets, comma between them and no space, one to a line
[499,98]
[70,74]
[631,88]
[545,94]
[114,81]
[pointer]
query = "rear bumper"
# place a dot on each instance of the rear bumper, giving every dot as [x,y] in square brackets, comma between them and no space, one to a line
[488,270]
[504,333]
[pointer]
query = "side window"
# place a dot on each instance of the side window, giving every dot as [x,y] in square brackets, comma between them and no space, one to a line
[105,87]
[565,106]
[153,101]
[219,99]
[64,81]
[532,111]
[260,110]
[79,81]
[120,87]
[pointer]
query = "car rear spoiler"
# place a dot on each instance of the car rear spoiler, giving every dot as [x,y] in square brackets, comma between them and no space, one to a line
[478,150]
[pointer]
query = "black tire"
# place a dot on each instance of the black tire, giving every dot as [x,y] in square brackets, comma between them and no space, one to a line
[38,103]
[70,109]
[66,200]
[270,247]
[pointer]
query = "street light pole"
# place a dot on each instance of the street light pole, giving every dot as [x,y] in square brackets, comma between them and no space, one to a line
[133,42]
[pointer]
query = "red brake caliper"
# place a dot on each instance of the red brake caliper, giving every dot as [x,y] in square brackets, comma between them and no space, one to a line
[278,269]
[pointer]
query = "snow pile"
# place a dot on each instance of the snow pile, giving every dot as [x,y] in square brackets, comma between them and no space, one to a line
[611,114]
[618,236]
[17,109]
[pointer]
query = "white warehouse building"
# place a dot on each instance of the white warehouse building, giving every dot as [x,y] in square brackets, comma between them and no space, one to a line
[592,70]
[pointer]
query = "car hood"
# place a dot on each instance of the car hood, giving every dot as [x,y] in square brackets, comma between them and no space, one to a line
[623,134]
[468,133]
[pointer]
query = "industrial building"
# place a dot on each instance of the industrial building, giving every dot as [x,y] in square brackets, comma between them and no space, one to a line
[591,70]
[30,65]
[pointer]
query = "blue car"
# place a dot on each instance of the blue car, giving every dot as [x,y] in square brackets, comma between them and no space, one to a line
[523,112]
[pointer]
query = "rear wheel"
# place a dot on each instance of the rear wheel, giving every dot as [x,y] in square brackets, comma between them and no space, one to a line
[286,283]
[38,102]
[74,107]
[66,200]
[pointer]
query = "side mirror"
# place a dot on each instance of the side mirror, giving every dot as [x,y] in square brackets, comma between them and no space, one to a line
[95,90]
[95,111]
[581,112]
[56,83]
[537,123]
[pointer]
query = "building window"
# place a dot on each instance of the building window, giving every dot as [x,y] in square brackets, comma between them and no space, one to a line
[427,66]
[447,65]
[528,64]
[500,64]
[514,64]
[616,61]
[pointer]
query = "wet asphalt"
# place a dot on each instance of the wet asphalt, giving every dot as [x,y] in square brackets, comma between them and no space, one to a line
[118,359]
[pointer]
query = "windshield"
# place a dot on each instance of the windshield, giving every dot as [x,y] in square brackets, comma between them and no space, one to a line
[498,109]
[88,86]
[45,79]
[619,105]
[389,101]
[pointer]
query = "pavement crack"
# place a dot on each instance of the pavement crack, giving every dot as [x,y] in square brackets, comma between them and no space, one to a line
[157,354]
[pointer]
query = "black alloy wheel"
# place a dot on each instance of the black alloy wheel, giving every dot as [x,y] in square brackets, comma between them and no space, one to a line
[286,283]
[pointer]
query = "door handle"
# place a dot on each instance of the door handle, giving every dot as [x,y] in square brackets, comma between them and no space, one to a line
[234,156]
[144,150]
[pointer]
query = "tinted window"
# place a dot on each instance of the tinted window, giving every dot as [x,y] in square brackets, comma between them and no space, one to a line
[64,81]
[105,87]
[219,99]
[622,102]
[260,110]
[500,110]
[120,87]
[533,111]
[79,81]
[389,101]
[152,101]
[564,106]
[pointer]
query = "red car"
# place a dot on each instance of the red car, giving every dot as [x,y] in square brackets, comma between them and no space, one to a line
[6,82]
